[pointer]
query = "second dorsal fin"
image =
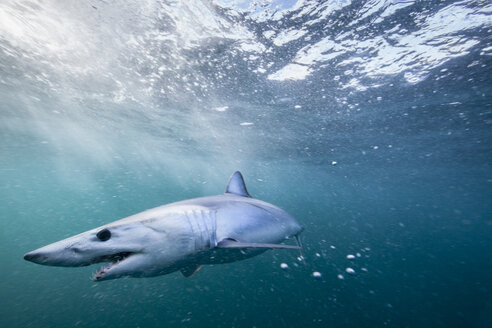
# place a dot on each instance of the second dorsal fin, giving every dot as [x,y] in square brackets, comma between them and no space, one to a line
[236,185]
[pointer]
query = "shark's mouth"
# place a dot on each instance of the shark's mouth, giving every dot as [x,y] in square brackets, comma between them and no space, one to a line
[113,260]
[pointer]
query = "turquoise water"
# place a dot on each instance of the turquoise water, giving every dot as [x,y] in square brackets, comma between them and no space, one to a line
[389,165]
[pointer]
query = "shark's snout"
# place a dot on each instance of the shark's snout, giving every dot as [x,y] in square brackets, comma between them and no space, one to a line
[46,257]
[58,254]
[36,257]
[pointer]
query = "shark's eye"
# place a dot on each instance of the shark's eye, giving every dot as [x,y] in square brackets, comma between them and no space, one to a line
[104,235]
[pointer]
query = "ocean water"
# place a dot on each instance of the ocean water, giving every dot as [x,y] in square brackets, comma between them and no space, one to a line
[368,121]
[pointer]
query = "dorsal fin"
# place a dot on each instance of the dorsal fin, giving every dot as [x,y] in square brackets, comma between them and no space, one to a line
[236,185]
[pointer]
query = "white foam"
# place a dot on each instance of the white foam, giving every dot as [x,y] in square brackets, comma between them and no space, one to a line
[290,72]
[288,36]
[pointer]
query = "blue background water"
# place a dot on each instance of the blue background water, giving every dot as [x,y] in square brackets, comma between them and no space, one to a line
[393,166]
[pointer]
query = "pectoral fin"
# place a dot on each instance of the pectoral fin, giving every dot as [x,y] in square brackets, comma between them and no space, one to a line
[231,243]
[190,270]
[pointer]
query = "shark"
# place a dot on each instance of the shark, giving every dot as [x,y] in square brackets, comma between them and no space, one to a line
[180,236]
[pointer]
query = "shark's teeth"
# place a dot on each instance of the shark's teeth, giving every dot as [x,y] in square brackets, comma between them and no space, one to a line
[115,260]
[100,273]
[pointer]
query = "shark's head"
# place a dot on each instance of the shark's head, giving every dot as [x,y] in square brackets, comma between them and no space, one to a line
[130,250]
